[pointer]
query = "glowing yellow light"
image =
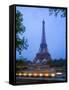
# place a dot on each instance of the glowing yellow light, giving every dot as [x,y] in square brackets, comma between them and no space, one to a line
[20,74]
[30,74]
[24,74]
[46,74]
[35,74]
[17,74]
[58,73]
[40,74]
[53,74]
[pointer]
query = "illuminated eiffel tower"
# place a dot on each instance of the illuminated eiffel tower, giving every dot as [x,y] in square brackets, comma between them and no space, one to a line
[43,55]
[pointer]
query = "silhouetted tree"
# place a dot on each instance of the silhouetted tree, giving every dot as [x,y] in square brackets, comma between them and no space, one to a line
[57,11]
[21,42]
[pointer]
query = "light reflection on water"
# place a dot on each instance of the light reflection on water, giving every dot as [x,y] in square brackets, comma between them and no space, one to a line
[42,78]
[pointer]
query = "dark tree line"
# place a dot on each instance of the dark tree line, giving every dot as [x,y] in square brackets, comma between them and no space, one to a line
[57,63]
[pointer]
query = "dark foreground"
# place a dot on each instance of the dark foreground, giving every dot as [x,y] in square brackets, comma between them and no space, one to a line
[29,80]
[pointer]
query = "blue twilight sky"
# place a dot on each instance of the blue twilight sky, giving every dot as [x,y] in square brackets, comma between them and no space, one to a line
[55,30]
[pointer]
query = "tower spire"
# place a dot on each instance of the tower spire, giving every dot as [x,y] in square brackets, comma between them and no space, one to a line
[43,45]
[43,32]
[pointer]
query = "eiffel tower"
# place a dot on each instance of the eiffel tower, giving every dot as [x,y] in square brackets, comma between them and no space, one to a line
[43,55]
